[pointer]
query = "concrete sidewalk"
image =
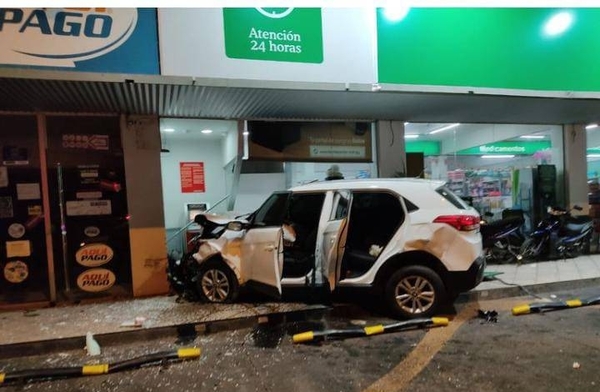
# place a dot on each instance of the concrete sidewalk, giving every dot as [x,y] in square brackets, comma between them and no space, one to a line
[68,325]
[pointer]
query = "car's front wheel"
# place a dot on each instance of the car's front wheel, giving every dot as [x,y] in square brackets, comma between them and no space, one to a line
[415,291]
[217,283]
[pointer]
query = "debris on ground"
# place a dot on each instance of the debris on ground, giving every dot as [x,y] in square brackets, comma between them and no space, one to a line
[576,365]
[488,316]
[91,345]
[138,322]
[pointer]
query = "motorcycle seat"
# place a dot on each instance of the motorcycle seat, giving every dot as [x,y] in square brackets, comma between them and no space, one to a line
[577,224]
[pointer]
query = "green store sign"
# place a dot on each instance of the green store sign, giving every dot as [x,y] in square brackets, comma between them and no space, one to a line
[274,34]
[513,48]
[426,147]
[507,148]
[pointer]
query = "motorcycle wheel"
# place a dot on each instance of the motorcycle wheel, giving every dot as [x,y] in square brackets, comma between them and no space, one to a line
[527,251]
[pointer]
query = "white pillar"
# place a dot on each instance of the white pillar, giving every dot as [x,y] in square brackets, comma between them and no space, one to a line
[575,145]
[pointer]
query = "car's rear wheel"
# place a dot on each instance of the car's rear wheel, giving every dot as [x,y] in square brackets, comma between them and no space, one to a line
[415,291]
[216,283]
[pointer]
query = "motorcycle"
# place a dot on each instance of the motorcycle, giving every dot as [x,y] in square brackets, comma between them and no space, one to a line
[559,235]
[502,239]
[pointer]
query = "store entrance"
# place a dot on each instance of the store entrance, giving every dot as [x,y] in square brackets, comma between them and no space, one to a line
[90,230]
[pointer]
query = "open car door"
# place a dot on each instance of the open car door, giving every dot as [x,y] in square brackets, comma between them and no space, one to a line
[262,251]
[333,239]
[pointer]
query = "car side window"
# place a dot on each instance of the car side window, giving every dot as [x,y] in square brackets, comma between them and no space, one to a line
[341,203]
[273,210]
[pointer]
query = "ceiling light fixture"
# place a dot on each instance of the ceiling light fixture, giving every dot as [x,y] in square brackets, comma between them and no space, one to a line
[558,23]
[532,137]
[245,133]
[206,131]
[395,13]
[411,136]
[169,130]
[591,126]
[445,128]
[593,155]
[497,156]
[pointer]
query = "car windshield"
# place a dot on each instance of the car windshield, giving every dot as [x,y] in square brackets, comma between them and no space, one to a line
[272,211]
[452,198]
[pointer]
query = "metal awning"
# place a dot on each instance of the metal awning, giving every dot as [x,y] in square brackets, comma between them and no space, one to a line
[57,91]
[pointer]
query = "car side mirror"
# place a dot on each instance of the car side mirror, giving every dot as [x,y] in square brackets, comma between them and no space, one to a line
[200,219]
[236,226]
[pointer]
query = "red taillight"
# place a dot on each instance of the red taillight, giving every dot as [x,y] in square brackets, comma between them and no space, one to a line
[459,222]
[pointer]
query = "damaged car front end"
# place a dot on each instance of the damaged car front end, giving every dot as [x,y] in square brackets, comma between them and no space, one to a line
[183,272]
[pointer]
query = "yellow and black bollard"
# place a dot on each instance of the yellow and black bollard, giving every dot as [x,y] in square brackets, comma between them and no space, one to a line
[310,336]
[538,307]
[94,370]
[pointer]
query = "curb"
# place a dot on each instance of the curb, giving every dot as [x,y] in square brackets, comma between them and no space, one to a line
[183,332]
[514,290]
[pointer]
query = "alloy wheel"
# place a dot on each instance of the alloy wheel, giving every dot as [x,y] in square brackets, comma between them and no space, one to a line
[215,285]
[415,294]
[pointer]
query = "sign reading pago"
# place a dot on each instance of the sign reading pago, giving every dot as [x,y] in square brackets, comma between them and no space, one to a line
[61,36]
[96,279]
[94,255]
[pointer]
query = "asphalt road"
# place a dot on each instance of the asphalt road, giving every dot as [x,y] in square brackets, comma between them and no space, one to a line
[527,353]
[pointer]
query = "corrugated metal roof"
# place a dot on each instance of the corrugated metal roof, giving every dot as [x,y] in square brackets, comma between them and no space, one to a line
[235,99]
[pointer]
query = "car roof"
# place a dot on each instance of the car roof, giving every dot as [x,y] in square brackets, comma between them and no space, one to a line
[396,184]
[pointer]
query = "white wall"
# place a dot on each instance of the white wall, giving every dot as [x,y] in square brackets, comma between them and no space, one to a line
[254,188]
[183,150]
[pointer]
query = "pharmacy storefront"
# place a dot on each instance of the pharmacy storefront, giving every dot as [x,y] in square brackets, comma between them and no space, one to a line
[115,123]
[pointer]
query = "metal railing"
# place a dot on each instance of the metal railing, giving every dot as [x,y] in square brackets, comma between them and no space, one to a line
[192,221]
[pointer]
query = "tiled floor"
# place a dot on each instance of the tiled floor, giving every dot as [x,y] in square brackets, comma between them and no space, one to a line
[583,267]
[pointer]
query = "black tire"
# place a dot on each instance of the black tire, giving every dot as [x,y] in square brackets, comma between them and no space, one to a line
[415,291]
[527,250]
[216,283]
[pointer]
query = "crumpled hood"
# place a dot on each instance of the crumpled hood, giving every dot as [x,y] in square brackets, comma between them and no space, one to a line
[222,219]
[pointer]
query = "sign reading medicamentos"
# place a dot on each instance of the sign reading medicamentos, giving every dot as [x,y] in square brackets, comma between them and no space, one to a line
[274,34]
[122,40]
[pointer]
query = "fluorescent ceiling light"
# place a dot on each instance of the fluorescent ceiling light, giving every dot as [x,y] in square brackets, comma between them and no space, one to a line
[558,23]
[444,128]
[591,126]
[497,156]
[169,130]
[206,131]
[532,137]
[593,155]
[411,136]
[395,13]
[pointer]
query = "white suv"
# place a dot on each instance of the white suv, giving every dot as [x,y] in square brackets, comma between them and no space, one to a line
[412,239]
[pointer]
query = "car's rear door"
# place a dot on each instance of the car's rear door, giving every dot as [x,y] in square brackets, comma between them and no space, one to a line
[333,240]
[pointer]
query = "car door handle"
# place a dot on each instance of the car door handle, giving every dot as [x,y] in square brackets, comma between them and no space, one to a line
[270,248]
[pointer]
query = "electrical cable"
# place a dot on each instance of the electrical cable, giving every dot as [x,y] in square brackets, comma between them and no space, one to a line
[524,289]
